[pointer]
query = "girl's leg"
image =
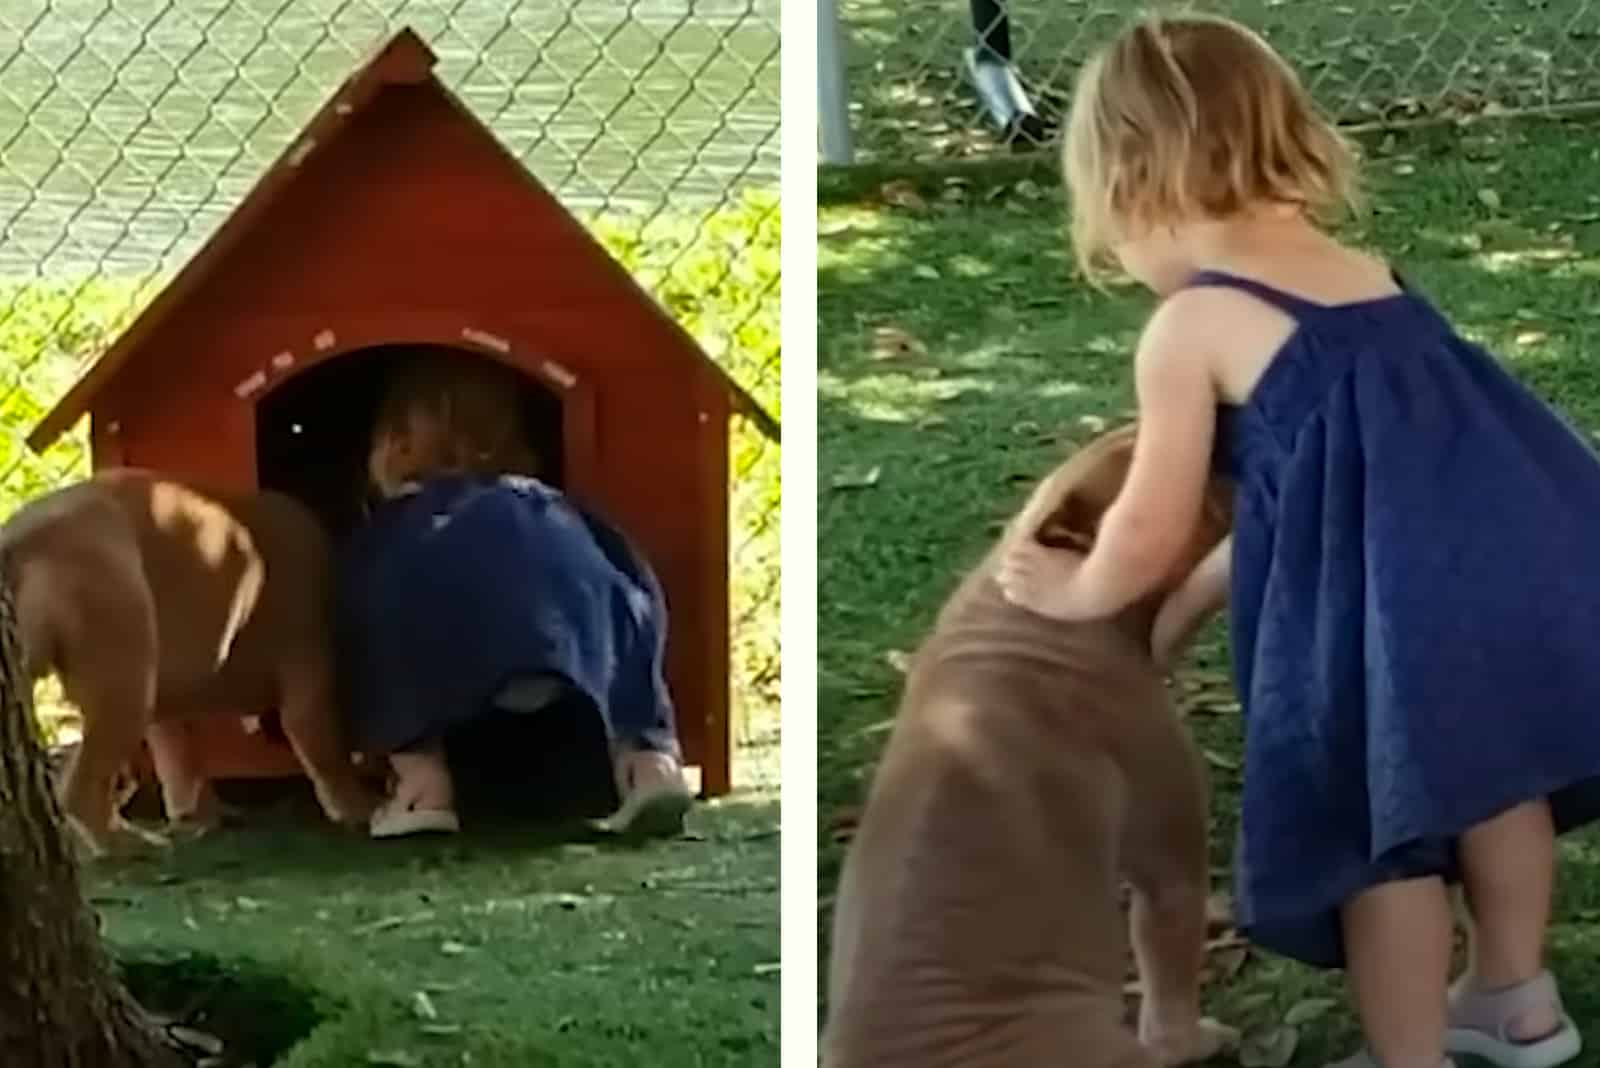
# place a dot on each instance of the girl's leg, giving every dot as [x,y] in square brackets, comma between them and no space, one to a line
[1508,871]
[422,779]
[1397,940]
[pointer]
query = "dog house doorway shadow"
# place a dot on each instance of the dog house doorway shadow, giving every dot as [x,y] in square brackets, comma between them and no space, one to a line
[313,434]
[313,430]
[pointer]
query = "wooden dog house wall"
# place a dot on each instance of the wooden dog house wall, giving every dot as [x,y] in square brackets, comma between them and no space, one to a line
[397,220]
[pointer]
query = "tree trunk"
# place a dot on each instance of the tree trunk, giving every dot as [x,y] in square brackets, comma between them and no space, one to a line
[60,1004]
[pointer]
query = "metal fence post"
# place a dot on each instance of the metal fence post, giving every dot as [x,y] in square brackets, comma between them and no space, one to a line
[833,93]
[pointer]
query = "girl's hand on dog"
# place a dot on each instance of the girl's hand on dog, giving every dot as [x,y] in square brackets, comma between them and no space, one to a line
[1040,579]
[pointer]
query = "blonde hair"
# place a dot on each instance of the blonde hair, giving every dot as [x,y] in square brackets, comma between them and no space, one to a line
[1192,117]
[449,414]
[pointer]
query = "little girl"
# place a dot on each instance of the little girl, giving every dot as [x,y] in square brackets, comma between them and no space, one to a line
[1415,590]
[476,589]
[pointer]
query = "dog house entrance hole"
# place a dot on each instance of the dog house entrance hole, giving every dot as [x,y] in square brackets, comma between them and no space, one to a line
[313,431]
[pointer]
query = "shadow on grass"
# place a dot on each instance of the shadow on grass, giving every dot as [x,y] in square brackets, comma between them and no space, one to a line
[259,1014]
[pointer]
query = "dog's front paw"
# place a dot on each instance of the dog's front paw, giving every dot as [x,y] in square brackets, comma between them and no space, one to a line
[122,841]
[1203,1039]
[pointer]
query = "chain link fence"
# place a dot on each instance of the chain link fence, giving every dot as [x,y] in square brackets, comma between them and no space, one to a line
[961,78]
[129,129]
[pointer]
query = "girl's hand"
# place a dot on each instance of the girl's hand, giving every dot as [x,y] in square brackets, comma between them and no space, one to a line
[1040,579]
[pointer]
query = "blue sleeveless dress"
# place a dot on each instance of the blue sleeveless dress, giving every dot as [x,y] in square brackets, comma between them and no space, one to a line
[1415,609]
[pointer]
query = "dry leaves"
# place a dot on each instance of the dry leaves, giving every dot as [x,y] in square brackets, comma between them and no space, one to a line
[1307,1011]
[852,478]
[1269,1049]
[394,1058]
[199,1041]
[842,827]
[893,343]
[1219,912]
[902,193]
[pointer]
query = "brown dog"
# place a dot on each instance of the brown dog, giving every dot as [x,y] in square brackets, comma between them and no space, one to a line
[155,600]
[1032,765]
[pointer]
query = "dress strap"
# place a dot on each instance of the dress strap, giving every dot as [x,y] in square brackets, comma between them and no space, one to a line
[1297,308]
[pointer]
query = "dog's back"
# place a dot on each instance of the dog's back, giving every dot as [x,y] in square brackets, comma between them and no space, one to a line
[201,560]
[977,920]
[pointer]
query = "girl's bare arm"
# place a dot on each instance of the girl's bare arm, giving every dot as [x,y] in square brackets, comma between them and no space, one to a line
[1189,606]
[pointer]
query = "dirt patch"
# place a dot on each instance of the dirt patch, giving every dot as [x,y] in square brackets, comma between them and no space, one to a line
[224,1014]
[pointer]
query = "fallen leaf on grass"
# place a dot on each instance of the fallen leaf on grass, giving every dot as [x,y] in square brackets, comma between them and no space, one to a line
[394,1058]
[388,923]
[197,1040]
[1228,939]
[1269,1049]
[855,478]
[422,1005]
[1308,1010]
[1219,912]
[1225,966]
[843,825]
[893,343]
[902,193]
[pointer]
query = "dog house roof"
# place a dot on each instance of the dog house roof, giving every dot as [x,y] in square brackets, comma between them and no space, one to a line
[405,60]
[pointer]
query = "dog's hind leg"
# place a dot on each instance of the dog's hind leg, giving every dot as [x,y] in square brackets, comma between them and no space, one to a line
[1165,861]
[109,660]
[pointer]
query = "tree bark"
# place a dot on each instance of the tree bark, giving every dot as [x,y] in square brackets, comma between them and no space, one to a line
[61,1005]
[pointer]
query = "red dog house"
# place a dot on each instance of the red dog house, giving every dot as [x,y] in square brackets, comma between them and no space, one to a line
[395,220]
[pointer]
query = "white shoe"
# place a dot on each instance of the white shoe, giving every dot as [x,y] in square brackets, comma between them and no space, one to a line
[392,821]
[654,796]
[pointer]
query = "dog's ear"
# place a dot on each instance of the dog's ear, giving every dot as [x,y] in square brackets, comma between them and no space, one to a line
[1072,525]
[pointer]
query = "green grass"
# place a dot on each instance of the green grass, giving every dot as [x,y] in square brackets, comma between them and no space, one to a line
[1021,361]
[540,953]
[1365,60]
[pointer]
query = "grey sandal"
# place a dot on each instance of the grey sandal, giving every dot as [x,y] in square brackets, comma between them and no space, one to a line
[1480,1023]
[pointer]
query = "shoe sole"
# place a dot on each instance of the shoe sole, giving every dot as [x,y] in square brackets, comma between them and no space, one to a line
[657,817]
[1559,1048]
[416,823]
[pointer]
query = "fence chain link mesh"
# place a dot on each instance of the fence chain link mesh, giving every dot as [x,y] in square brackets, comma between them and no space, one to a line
[914,66]
[129,129]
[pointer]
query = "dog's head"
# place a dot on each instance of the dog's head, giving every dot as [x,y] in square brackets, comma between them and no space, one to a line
[447,414]
[1065,510]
